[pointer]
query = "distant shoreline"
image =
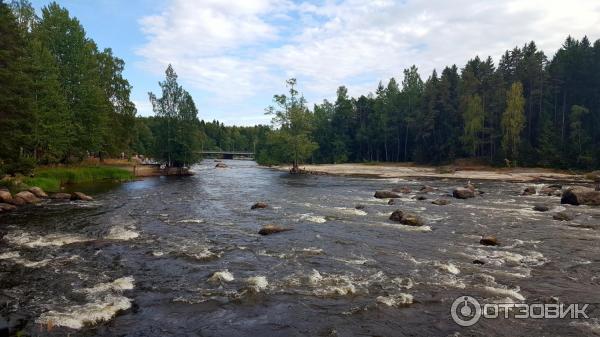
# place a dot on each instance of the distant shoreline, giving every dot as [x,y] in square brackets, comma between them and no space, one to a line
[408,170]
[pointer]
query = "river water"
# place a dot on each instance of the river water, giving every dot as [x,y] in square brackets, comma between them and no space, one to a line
[181,256]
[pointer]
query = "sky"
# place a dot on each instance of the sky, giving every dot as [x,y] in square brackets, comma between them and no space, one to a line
[234,55]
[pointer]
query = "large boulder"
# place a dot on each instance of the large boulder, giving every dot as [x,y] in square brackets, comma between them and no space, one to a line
[488,240]
[38,192]
[529,190]
[581,196]
[5,196]
[27,196]
[463,193]
[61,196]
[408,219]
[386,195]
[81,196]
[272,229]
[7,207]
[259,205]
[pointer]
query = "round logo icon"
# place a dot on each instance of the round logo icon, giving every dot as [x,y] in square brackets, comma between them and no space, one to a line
[465,311]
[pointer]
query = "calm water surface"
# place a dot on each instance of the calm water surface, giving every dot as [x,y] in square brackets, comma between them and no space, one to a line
[182,257]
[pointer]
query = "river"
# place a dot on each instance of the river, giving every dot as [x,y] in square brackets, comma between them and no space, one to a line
[181,256]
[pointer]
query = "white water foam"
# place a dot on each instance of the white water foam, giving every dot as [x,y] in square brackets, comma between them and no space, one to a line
[121,233]
[257,283]
[395,300]
[313,218]
[33,241]
[221,276]
[191,221]
[351,211]
[120,284]
[77,316]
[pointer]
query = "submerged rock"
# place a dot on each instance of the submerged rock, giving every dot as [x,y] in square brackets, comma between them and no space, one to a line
[488,240]
[359,206]
[408,219]
[38,192]
[27,196]
[5,196]
[259,205]
[221,165]
[529,190]
[81,196]
[60,196]
[392,202]
[551,190]
[7,207]
[581,196]
[272,229]
[478,262]
[404,190]
[562,216]
[426,189]
[441,202]
[421,197]
[541,208]
[386,195]
[463,193]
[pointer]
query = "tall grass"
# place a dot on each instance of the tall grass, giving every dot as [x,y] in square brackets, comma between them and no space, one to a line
[75,175]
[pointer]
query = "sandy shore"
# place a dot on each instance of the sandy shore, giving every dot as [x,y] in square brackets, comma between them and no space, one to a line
[412,171]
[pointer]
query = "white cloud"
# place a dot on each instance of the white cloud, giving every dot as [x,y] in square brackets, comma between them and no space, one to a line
[238,51]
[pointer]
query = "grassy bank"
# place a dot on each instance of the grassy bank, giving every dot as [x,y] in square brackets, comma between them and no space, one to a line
[52,178]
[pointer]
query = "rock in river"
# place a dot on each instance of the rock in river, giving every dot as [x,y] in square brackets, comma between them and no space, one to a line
[259,205]
[5,196]
[6,207]
[272,229]
[392,202]
[386,195]
[463,193]
[562,216]
[581,196]
[426,189]
[408,219]
[441,202]
[81,196]
[488,240]
[61,196]
[529,190]
[28,197]
[221,165]
[404,190]
[38,192]
[541,208]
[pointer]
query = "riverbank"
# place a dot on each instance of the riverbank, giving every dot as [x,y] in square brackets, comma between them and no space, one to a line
[408,170]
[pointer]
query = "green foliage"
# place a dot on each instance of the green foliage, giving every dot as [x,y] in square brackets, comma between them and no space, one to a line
[74,175]
[473,116]
[46,184]
[513,120]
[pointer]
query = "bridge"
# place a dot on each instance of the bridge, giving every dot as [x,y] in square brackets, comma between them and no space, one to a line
[228,154]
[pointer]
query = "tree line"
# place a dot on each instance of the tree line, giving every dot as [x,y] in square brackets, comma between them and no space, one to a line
[527,110]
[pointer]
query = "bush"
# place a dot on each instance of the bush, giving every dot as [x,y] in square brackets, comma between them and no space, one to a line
[22,165]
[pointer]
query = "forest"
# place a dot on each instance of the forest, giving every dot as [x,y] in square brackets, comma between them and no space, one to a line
[62,100]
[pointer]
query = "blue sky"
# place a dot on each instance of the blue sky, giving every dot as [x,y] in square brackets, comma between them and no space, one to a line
[232,56]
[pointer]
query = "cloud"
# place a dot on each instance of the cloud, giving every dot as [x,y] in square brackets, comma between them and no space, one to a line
[231,52]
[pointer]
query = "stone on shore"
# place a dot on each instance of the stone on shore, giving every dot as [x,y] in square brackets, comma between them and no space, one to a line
[562,216]
[61,196]
[386,195]
[272,229]
[488,240]
[259,205]
[463,193]
[7,207]
[38,192]
[5,196]
[581,196]
[81,196]
[408,219]
[441,202]
[27,196]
